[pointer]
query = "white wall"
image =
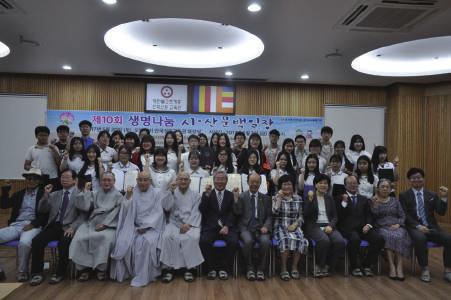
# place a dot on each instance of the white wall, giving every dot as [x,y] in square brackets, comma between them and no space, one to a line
[346,121]
[19,115]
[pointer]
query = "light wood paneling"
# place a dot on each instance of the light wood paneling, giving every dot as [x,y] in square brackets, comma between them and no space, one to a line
[438,144]
[86,93]
[302,100]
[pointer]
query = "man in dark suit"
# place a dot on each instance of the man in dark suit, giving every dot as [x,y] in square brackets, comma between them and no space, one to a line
[254,211]
[420,205]
[25,222]
[64,219]
[218,223]
[354,223]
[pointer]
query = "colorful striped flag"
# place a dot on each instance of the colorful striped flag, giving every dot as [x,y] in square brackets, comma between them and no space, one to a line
[213,99]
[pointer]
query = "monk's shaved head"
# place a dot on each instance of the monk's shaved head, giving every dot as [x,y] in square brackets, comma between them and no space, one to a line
[144,174]
[183,175]
[144,181]
[183,181]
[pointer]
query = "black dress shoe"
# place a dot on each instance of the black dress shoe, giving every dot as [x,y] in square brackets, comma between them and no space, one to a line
[56,279]
[400,278]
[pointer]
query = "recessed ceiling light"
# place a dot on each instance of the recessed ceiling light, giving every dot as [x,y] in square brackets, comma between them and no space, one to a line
[67,67]
[109,2]
[305,76]
[423,57]
[228,73]
[149,70]
[4,50]
[179,47]
[254,7]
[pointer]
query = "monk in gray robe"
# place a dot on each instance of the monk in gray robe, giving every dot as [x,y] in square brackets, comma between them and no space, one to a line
[95,238]
[180,242]
[141,223]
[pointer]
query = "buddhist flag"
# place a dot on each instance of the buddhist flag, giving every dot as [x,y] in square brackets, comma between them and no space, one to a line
[213,99]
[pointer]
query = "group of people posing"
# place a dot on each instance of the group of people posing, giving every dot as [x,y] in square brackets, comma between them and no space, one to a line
[325,198]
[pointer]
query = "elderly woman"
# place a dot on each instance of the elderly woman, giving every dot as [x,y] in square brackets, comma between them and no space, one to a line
[389,220]
[287,209]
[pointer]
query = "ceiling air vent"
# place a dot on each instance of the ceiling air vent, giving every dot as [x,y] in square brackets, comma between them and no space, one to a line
[390,15]
[9,6]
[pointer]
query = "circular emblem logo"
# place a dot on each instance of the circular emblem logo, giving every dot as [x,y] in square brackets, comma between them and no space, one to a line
[167,91]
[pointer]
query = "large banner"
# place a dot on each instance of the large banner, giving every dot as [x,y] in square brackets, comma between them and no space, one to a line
[159,124]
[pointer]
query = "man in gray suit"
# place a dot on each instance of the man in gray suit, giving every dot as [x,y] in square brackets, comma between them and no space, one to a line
[254,211]
[64,219]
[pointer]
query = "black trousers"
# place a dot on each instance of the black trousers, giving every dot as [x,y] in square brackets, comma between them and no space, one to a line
[53,232]
[420,239]
[354,238]
[218,259]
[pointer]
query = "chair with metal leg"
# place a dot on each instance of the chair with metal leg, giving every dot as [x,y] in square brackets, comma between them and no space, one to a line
[273,254]
[429,245]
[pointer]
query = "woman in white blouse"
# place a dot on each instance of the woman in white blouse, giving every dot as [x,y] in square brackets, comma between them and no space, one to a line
[171,147]
[92,169]
[74,160]
[367,180]
[379,161]
[356,149]
[161,174]
[308,173]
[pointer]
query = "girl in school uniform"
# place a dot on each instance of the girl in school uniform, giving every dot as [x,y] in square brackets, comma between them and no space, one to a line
[337,176]
[116,139]
[214,141]
[282,167]
[308,173]
[366,178]
[207,155]
[379,161]
[180,141]
[255,143]
[224,161]
[340,149]
[224,142]
[161,174]
[170,145]
[251,165]
[145,153]
[356,149]
[76,157]
[92,169]
[131,140]
[288,147]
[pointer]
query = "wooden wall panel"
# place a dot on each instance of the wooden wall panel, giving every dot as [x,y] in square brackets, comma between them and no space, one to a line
[405,130]
[438,144]
[87,93]
[302,100]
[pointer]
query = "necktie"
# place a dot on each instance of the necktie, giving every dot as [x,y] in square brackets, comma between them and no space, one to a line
[252,221]
[219,199]
[354,199]
[64,206]
[421,211]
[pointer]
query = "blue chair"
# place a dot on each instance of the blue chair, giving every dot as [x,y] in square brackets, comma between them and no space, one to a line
[273,253]
[313,243]
[429,245]
[13,244]
[257,246]
[223,244]
[53,245]
[363,244]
